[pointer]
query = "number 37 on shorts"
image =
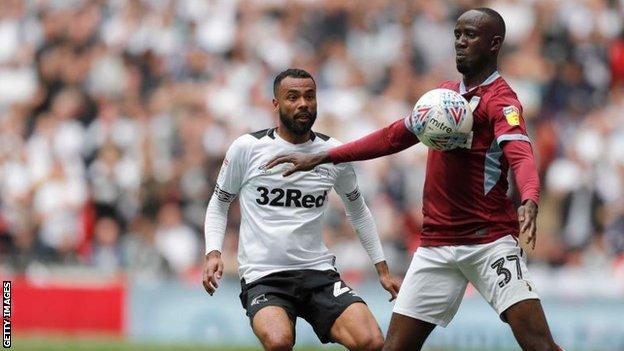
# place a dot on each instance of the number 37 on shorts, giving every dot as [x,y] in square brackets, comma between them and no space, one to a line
[499,266]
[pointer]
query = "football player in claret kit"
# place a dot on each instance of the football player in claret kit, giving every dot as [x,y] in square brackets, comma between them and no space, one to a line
[286,270]
[470,231]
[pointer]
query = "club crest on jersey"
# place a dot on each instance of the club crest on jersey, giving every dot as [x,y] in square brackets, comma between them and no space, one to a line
[321,172]
[512,114]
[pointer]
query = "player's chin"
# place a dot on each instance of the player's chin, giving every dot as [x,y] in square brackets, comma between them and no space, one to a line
[462,66]
[302,127]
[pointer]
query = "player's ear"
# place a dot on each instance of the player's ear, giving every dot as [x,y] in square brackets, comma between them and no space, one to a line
[275,104]
[497,43]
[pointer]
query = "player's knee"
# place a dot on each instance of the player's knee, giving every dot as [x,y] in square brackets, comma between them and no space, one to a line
[278,345]
[277,342]
[372,342]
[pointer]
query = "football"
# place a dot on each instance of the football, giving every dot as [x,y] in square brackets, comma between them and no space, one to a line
[442,120]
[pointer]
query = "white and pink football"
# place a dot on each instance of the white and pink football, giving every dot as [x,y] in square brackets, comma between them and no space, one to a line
[442,120]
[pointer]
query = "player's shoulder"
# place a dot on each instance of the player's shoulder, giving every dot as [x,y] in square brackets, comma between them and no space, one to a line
[501,93]
[449,84]
[324,139]
[260,134]
[247,141]
[324,142]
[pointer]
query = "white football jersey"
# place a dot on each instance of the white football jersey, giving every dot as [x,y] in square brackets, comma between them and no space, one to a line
[281,216]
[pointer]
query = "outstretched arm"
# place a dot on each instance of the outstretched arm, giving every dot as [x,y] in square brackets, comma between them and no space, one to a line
[389,140]
[521,160]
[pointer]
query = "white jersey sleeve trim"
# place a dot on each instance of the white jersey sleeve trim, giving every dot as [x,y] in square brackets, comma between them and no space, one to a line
[510,137]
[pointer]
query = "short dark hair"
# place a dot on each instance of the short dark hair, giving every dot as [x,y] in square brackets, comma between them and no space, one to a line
[499,22]
[291,72]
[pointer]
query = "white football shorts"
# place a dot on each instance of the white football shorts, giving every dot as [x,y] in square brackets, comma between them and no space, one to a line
[436,280]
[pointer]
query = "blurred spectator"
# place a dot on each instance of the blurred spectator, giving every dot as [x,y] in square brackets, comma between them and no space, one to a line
[107,255]
[176,241]
[57,202]
[143,261]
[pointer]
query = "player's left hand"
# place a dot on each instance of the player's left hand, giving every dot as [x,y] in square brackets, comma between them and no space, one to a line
[213,271]
[527,217]
[391,284]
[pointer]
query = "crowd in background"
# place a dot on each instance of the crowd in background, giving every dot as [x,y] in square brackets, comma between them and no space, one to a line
[115,117]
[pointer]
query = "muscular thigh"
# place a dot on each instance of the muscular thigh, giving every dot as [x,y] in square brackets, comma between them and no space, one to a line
[356,326]
[273,323]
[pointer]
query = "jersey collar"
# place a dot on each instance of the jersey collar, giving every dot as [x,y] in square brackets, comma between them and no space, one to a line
[488,80]
[272,133]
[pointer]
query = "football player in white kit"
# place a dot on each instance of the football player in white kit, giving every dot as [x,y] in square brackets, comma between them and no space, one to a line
[285,268]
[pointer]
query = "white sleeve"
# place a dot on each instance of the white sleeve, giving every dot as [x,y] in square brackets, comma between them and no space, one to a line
[358,214]
[228,185]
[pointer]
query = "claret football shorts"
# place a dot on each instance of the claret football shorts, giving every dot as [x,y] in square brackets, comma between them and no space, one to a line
[436,280]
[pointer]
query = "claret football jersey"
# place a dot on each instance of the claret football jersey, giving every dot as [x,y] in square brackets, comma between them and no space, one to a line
[465,194]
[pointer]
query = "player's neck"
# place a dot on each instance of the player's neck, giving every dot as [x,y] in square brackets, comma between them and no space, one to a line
[292,138]
[473,80]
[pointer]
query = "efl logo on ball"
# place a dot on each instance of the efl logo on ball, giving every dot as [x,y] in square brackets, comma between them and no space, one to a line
[442,120]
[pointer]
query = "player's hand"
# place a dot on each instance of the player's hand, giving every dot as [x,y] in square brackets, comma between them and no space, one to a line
[300,161]
[213,270]
[527,217]
[391,284]
[387,280]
